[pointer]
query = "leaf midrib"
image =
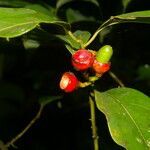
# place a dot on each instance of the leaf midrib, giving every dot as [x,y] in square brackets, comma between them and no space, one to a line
[26,23]
[17,25]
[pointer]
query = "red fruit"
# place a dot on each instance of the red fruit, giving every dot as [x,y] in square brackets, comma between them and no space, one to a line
[101,68]
[69,82]
[82,59]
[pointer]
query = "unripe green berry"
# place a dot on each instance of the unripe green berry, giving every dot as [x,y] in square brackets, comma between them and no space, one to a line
[104,54]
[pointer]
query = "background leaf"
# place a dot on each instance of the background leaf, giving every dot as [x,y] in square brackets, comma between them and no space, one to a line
[13,3]
[75,16]
[82,35]
[75,11]
[125,4]
[127,112]
[47,100]
[144,72]
[60,3]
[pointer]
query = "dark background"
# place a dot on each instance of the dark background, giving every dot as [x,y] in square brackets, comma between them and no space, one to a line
[29,74]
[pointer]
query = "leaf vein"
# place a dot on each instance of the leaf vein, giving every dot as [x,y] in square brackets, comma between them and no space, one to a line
[134,122]
[17,25]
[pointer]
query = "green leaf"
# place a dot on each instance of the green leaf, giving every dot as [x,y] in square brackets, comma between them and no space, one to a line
[127,112]
[76,40]
[143,16]
[49,99]
[69,41]
[25,20]
[41,9]
[82,35]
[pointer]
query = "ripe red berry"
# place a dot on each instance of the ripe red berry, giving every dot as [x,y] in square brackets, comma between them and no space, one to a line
[82,59]
[101,68]
[69,82]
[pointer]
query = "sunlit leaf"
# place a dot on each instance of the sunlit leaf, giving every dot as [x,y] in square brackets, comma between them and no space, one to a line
[41,9]
[25,20]
[139,16]
[127,112]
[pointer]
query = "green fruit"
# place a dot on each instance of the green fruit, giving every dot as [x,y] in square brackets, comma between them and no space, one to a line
[104,54]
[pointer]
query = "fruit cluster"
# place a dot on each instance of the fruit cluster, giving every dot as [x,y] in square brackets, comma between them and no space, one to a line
[82,60]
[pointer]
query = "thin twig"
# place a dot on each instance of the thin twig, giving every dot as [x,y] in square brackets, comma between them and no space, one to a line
[93,122]
[116,79]
[95,34]
[92,38]
[11,142]
[102,27]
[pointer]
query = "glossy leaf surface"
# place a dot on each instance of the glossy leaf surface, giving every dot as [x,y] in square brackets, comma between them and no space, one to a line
[127,112]
[17,21]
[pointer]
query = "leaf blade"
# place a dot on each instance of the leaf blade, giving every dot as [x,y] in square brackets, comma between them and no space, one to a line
[76,42]
[25,20]
[127,112]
